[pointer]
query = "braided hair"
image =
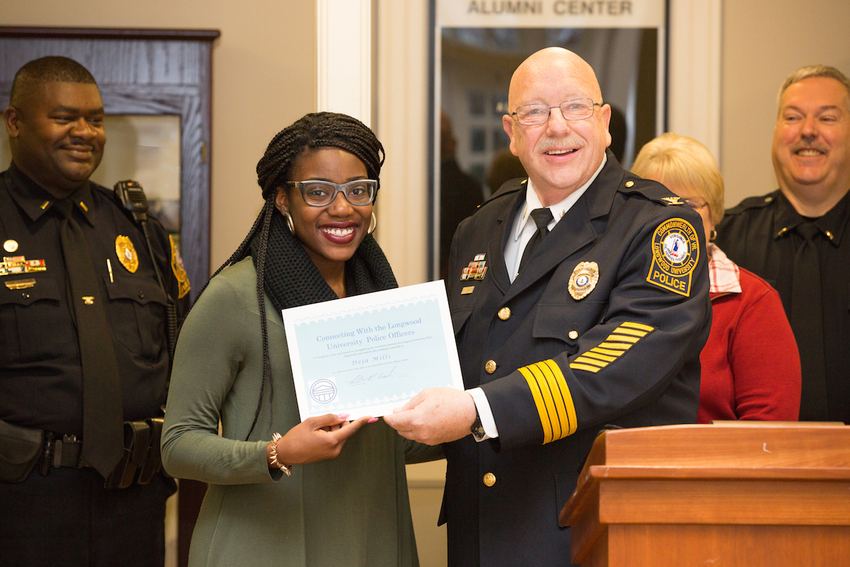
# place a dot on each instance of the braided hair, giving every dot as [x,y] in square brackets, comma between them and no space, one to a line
[315,130]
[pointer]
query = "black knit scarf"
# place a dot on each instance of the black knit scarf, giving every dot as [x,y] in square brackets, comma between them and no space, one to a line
[292,279]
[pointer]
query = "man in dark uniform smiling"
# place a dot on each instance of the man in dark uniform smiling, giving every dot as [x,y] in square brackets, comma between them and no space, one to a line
[579,299]
[797,236]
[85,358]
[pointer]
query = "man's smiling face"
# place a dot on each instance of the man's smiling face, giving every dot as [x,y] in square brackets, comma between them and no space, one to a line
[560,155]
[811,142]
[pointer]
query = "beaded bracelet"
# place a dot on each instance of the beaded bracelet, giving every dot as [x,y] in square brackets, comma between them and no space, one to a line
[287,469]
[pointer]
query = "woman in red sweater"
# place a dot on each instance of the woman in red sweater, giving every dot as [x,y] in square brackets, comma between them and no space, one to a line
[750,364]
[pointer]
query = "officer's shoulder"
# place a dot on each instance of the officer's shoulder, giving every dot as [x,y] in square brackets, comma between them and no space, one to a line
[115,200]
[752,204]
[638,187]
[508,189]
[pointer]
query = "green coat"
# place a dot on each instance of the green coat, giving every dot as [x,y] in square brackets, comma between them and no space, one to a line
[352,510]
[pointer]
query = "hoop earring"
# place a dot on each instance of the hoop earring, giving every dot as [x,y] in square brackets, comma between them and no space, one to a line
[289,224]
[373,224]
[712,236]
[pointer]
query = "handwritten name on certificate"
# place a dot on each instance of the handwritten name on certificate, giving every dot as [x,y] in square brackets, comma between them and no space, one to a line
[368,354]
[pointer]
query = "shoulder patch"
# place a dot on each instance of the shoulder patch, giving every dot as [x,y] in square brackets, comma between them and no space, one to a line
[675,252]
[178,269]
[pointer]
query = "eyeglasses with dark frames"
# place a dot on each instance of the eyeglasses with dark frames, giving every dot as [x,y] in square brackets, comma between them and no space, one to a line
[359,192]
[573,110]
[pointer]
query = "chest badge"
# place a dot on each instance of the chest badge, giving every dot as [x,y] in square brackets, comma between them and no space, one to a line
[126,253]
[583,279]
[475,270]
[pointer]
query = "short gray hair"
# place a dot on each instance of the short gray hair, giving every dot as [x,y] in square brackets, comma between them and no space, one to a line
[813,71]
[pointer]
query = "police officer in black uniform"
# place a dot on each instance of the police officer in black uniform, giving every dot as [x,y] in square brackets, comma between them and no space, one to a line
[579,299]
[798,237]
[69,500]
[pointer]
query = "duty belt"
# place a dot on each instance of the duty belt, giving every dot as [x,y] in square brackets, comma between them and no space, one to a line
[140,462]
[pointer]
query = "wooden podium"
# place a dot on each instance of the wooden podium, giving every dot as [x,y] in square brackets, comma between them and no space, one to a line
[735,494]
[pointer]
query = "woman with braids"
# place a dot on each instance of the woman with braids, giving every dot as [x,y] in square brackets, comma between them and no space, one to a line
[329,491]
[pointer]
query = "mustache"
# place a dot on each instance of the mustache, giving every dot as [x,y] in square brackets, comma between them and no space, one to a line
[546,144]
[803,145]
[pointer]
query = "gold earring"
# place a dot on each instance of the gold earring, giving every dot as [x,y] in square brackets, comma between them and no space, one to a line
[713,235]
[373,224]
[289,224]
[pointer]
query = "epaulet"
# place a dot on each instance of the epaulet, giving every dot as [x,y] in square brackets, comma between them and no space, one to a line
[652,190]
[508,188]
[753,203]
[110,194]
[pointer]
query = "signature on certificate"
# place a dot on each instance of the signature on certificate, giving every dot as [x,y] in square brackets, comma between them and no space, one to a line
[364,378]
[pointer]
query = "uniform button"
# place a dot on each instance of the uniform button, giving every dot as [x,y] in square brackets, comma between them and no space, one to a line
[573,334]
[505,313]
[141,295]
[630,183]
[490,366]
[489,479]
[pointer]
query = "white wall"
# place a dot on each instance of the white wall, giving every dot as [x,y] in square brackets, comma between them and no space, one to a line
[763,42]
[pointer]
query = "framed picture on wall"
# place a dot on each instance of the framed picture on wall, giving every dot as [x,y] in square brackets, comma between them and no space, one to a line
[476,45]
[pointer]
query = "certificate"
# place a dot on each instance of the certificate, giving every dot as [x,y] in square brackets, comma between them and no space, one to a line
[368,354]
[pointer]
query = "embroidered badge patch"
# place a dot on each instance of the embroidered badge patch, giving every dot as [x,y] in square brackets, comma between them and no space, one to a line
[675,252]
[126,253]
[178,269]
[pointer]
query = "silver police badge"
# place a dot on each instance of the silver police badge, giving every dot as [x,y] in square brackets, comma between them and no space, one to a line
[583,279]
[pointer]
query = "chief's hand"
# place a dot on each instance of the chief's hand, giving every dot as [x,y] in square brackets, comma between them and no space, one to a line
[434,416]
[316,438]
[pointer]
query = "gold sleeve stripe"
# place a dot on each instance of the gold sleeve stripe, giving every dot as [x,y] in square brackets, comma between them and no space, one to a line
[538,402]
[640,326]
[554,401]
[622,338]
[571,422]
[611,352]
[578,366]
[584,359]
[552,398]
[594,353]
[619,341]
[632,332]
[619,347]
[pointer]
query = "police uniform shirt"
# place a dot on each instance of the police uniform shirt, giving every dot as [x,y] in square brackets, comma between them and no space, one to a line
[41,377]
[523,230]
[759,235]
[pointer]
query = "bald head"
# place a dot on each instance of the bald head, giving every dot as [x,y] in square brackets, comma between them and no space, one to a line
[561,154]
[542,65]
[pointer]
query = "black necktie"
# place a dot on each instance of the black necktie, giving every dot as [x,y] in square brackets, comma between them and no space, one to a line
[807,323]
[103,415]
[542,217]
